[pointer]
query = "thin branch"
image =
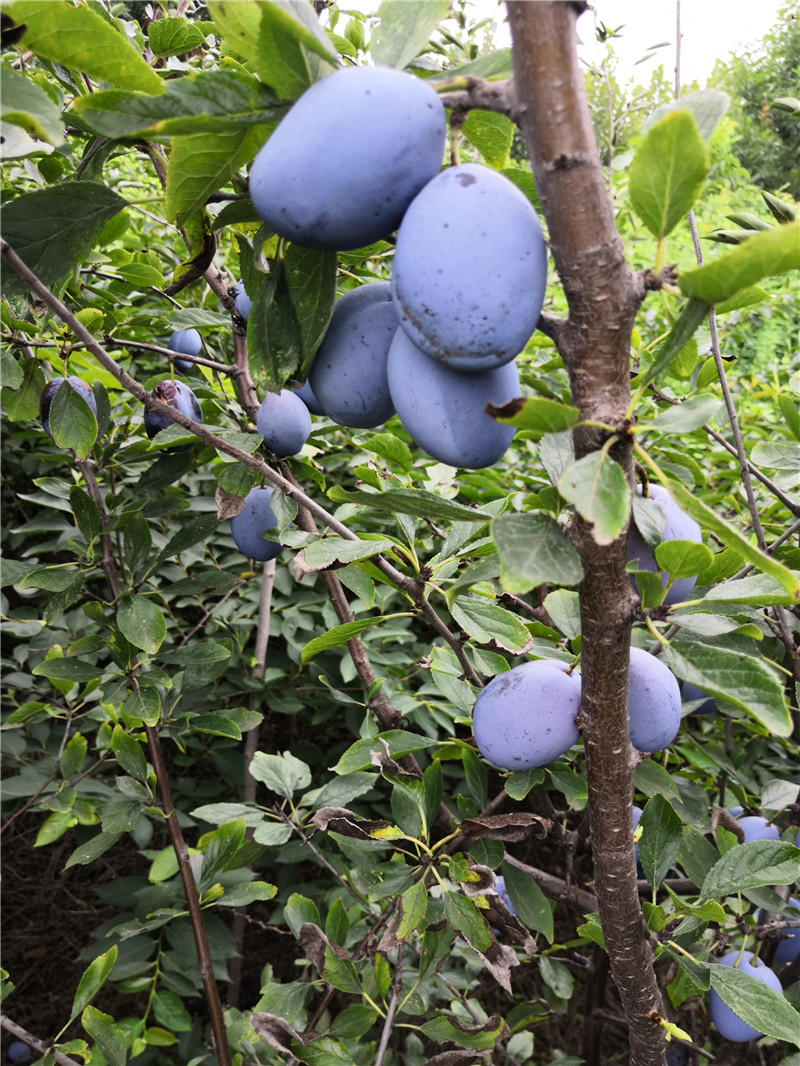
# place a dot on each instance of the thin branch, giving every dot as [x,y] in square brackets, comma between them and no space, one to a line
[397,985]
[33,1041]
[555,888]
[464,94]
[107,562]
[200,360]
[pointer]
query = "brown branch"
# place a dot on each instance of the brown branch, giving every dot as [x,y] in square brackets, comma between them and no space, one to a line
[33,1041]
[397,984]
[603,296]
[555,888]
[465,94]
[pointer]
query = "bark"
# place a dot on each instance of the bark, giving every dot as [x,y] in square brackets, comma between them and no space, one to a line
[603,296]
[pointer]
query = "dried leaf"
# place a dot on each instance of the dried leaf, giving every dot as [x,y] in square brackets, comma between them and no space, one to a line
[228,505]
[345,823]
[274,1030]
[510,827]
[387,765]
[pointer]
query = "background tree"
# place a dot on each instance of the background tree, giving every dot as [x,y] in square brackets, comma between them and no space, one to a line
[174,713]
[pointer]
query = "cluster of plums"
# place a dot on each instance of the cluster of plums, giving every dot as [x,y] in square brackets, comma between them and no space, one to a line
[470,265]
[526,717]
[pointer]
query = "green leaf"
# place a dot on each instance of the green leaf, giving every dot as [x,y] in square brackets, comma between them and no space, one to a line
[293,52]
[399,741]
[564,610]
[283,774]
[217,725]
[52,229]
[486,622]
[765,254]
[413,904]
[596,486]
[77,37]
[478,1036]
[536,414]
[490,132]
[530,903]
[777,455]
[707,105]
[173,36]
[209,101]
[758,590]
[21,403]
[340,635]
[170,1011]
[129,753]
[24,104]
[416,502]
[760,1006]
[533,550]
[195,531]
[727,533]
[321,554]
[687,416]
[60,669]
[743,680]
[109,1038]
[661,839]
[290,313]
[242,895]
[463,916]
[93,979]
[200,165]
[404,29]
[690,317]
[91,850]
[298,911]
[391,448]
[142,623]
[323,1051]
[683,558]
[754,865]
[72,421]
[749,297]
[220,850]
[668,171]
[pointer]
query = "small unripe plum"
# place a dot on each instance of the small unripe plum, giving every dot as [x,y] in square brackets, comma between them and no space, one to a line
[470,269]
[51,388]
[525,717]
[445,410]
[284,422]
[654,702]
[692,692]
[248,527]
[347,160]
[177,395]
[789,947]
[348,376]
[728,1024]
[306,394]
[678,525]
[757,828]
[188,342]
[242,300]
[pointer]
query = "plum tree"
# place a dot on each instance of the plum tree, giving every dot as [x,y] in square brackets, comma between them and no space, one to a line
[444,410]
[757,828]
[177,395]
[470,244]
[691,692]
[729,1024]
[51,388]
[250,525]
[654,702]
[242,300]
[284,422]
[525,717]
[678,525]
[188,342]
[349,376]
[326,181]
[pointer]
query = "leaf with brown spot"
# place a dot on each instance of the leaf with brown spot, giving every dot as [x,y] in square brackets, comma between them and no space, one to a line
[345,823]
[228,505]
[510,827]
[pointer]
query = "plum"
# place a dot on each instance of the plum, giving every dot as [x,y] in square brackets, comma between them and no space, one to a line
[525,717]
[502,892]
[348,376]
[341,168]
[284,422]
[242,300]
[757,828]
[692,692]
[677,526]
[729,1024]
[789,947]
[177,395]
[51,388]
[470,269]
[19,1053]
[654,702]
[187,342]
[248,527]
[306,394]
[444,410]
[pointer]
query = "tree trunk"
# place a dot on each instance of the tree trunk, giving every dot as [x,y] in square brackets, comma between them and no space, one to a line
[603,296]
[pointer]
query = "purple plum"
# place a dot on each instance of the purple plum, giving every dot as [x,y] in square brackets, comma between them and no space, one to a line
[677,526]
[248,527]
[284,422]
[654,702]
[729,1024]
[187,342]
[177,395]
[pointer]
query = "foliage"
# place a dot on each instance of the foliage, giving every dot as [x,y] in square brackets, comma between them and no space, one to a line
[352,867]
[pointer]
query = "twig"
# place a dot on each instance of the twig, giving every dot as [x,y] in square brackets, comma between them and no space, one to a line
[107,563]
[555,888]
[397,985]
[34,1042]
[200,360]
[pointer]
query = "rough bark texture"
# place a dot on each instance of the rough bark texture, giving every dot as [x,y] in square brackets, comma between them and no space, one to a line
[603,295]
